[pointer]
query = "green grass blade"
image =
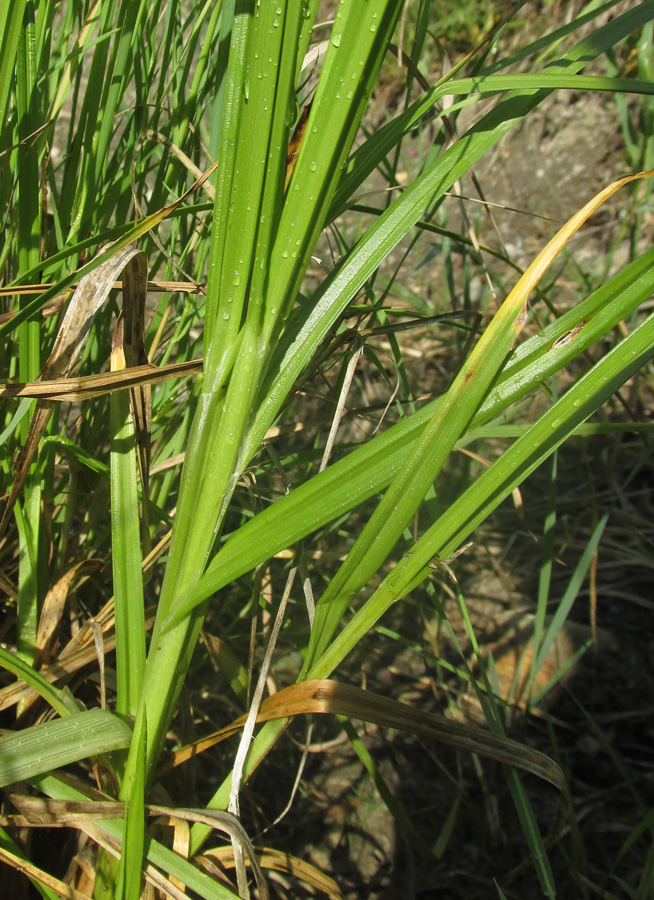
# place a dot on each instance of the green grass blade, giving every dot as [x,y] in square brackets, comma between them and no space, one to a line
[29,337]
[370,468]
[495,484]
[409,486]
[209,475]
[50,745]
[358,43]
[377,147]
[58,444]
[126,558]
[571,593]
[331,299]
[545,573]
[29,592]
[61,701]
[24,408]
[128,882]
[531,833]
[256,113]
[11,24]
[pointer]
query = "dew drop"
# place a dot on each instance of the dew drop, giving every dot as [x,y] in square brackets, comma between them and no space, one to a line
[313,165]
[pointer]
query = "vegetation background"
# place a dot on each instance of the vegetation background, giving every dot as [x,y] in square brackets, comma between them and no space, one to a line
[268,470]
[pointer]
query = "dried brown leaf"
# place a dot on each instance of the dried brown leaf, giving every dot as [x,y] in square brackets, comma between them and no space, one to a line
[53,606]
[79,652]
[278,861]
[327,696]
[91,292]
[89,386]
[33,872]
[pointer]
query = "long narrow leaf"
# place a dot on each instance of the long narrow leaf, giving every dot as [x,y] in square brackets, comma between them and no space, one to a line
[369,469]
[495,484]
[61,741]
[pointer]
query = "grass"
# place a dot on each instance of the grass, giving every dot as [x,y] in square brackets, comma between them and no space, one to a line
[165,412]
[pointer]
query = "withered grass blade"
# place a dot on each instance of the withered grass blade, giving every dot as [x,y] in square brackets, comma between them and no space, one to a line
[88,298]
[53,606]
[327,696]
[87,387]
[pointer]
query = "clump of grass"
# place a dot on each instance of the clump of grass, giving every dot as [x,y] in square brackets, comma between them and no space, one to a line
[118,116]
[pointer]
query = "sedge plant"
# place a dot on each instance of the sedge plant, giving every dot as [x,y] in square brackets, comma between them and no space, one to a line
[120,120]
